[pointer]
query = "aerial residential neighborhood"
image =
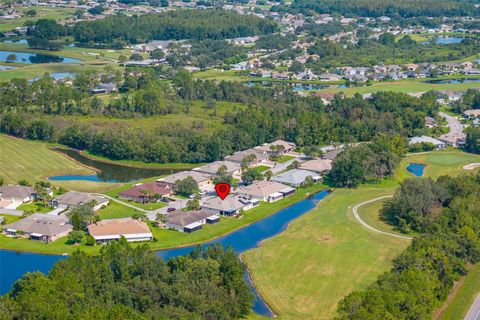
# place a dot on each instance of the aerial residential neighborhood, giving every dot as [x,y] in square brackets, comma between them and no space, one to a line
[240,159]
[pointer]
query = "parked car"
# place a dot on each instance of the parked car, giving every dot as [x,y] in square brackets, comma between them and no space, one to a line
[165,200]
[171,209]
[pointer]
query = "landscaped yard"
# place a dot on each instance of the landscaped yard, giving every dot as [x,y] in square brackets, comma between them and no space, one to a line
[284,158]
[35,207]
[326,254]
[116,210]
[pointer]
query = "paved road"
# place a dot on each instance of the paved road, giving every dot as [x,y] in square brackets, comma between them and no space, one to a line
[474,312]
[357,216]
[456,129]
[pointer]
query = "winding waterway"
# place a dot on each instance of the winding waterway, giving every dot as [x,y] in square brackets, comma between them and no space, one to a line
[13,264]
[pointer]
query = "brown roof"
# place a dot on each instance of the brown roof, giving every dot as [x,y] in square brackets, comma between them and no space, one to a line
[154,186]
[75,198]
[181,218]
[262,188]
[16,192]
[317,165]
[117,226]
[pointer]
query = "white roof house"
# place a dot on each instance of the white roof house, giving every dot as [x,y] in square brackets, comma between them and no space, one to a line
[296,177]
[424,139]
[268,191]
[230,206]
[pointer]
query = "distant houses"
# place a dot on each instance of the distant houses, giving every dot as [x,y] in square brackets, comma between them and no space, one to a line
[203,180]
[38,226]
[258,157]
[231,168]
[424,139]
[190,221]
[131,229]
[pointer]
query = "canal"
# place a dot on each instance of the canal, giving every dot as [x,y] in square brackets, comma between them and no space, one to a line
[14,264]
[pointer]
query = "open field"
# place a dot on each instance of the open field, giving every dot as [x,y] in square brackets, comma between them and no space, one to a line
[57,14]
[116,210]
[326,254]
[33,161]
[464,297]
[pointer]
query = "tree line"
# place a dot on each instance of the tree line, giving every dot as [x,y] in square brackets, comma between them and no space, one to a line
[447,211]
[126,282]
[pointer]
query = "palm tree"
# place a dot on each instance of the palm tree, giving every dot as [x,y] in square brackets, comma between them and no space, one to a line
[162,218]
[268,175]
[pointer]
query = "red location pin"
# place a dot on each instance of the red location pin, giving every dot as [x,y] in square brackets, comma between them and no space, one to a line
[222,189]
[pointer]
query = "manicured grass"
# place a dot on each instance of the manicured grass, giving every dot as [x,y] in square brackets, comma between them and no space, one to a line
[284,159]
[465,296]
[326,254]
[35,207]
[116,210]
[33,161]
[9,218]
[42,13]
[261,169]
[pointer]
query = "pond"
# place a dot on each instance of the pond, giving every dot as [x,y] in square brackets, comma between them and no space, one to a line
[453,81]
[20,41]
[108,172]
[5,68]
[416,169]
[448,40]
[32,58]
[240,240]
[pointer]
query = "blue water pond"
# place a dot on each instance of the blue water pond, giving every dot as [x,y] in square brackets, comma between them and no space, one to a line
[416,169]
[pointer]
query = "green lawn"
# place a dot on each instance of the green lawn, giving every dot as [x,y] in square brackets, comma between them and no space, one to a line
[464,297]
[9,218]
[116,210]
[34,161]
[326,254]
[35,207]
[261,168]
[284,159]
[42,13]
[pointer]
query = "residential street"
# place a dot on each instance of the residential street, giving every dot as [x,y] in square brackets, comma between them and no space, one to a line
[456,129]
[474,312]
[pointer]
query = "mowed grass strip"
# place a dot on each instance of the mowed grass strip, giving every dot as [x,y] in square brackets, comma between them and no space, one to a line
[33,161]
[326,254]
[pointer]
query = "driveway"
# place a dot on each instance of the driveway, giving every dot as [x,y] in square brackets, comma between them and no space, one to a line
[456,129]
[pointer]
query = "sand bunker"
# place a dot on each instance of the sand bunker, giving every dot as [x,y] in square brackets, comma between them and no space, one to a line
[471,166]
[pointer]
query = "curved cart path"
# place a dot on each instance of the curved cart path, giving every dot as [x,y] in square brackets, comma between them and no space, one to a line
[366,225]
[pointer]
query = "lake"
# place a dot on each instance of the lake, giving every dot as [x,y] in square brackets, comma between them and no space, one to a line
[108,172]
[453,81]
[32,58]
[448,40]
[416,169]
[241,240]
[20,41]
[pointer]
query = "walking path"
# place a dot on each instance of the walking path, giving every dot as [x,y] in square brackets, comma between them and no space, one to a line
[474,312]
[357,216]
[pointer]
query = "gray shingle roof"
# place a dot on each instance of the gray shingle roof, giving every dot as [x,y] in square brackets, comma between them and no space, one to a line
[41,223]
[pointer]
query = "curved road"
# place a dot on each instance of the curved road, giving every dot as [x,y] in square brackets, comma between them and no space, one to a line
[474,312]
[366,225]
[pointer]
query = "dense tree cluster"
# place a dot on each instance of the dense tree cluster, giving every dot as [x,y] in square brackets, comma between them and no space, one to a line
[35,111]
[393,8]
[125,282]
[367,162]
[472,143]
[173,25]
[423,275]
[469,100]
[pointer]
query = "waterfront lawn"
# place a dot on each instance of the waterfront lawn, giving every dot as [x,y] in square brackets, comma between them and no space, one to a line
[116,210]
[464,297]
[34,161]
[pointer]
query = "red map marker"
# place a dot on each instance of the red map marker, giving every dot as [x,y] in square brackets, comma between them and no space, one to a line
[222,189]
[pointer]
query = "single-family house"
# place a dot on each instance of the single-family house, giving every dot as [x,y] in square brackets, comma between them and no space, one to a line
[268,191]
[260,156]
[430,122]
[277,147]
[190,221]
[202,179]
[39,226]
[107,230]
[424,139]
[317,165]
[17,193]
[472,113]
[73,199]
[281,75]
[229,206]
[145,192]
[296,177]
[231,168]
[329,77]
